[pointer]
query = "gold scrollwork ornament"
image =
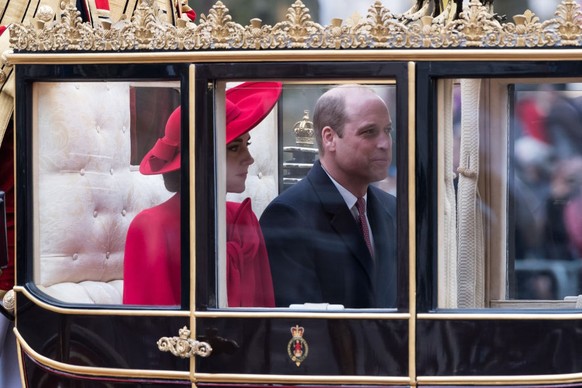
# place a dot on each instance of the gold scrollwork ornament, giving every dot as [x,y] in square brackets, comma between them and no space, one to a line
[183,346]
[473,26]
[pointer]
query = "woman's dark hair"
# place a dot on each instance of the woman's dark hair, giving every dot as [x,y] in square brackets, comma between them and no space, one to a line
[172,181]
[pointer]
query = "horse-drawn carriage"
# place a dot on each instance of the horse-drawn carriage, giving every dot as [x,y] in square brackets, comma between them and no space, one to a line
[486,172]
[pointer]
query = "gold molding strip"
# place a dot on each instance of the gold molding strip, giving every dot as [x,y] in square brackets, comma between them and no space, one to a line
[443,55]
[501,380]
[486,314]
[412,221]
[147,29]
[388,315]
[192,208]
[139,311]
[295,379]
[93,371]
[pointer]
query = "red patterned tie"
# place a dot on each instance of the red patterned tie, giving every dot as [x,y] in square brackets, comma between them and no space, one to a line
[361,206]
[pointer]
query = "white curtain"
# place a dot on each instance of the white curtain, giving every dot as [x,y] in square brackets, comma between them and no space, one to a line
[470,241]
[447,249]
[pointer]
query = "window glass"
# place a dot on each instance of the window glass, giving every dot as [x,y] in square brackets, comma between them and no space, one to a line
[547,178]
[292,241]
[510,173]
[99,172]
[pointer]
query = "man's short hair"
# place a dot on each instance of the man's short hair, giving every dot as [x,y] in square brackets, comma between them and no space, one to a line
[329,112]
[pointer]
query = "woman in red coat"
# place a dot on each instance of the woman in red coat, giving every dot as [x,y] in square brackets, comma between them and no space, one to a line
[152,251]
[151,264]
[248,272]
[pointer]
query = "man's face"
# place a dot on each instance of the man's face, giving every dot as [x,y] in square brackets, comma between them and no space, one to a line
[364,151]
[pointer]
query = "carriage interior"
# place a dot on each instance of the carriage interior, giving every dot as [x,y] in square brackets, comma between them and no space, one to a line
[89,189]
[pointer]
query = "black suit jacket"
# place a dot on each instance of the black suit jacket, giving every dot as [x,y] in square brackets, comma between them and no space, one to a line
[317,252]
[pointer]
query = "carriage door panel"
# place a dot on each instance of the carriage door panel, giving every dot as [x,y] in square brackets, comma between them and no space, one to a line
[301,337]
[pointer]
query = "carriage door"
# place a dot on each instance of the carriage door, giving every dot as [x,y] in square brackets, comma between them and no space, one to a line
[102,265]
[280,318]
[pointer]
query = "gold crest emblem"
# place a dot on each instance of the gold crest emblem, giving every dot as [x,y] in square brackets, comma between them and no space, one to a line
[297,347]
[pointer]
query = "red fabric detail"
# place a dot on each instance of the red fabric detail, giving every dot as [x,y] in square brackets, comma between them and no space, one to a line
[102,4]
[363,223]
[161,154]
[254,100]
[2,29]
[7,185]
[191,15]
[248,272]
[152,257]
[165,154]
[151,267]
[532,120]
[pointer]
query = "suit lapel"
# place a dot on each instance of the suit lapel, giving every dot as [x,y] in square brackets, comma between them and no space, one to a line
[340,218]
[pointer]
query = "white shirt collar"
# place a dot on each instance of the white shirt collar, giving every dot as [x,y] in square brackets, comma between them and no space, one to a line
[349,198]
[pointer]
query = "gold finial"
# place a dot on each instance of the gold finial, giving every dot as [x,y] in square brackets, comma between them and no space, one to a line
[45,14]
[304,130]
[9,301]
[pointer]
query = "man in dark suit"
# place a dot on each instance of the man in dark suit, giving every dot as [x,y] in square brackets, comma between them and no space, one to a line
[322,249]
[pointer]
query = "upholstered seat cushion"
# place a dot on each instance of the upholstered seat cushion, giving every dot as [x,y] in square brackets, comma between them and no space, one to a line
[87,292]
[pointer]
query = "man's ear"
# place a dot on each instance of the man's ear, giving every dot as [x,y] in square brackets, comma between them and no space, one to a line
[328,137]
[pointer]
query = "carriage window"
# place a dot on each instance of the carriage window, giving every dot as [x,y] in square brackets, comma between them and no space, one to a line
[278,247]
[547,182]
[510,199]
[101,172]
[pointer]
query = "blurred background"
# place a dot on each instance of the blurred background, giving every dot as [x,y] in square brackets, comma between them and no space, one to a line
[321,11]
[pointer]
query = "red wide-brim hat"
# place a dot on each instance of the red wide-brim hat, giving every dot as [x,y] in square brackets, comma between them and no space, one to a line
[247,105]
[165,154]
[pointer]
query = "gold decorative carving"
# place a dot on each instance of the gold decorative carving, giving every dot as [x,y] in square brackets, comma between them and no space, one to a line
[569,18]
[4,65]
[477,26]
[183,346]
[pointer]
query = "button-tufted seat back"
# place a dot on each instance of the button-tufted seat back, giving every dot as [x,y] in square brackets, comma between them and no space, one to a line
[88,192]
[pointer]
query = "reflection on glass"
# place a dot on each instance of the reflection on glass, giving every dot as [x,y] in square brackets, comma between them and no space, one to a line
[510,199]
[323,252]
[88,138]
[547,178]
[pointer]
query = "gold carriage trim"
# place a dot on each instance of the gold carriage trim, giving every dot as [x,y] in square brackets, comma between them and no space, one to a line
[477,26]
[183,346]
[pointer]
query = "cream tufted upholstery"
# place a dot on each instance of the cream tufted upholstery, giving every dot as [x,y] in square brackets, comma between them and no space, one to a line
[87,192]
